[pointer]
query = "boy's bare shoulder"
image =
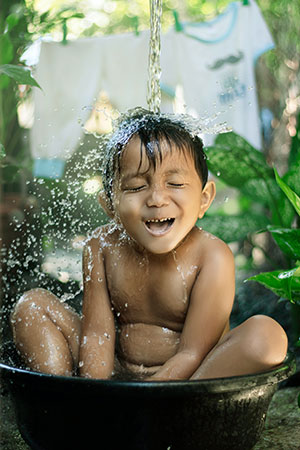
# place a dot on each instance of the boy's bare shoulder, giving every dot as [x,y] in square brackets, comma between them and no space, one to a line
[103,237]
[213,248]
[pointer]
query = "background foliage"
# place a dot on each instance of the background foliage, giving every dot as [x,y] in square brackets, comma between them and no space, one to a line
[249,200]
[24,21]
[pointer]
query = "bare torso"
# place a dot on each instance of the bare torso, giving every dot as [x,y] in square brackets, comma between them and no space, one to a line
[150,297]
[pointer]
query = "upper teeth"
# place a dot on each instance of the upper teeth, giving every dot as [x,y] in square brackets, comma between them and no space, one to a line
[159,220]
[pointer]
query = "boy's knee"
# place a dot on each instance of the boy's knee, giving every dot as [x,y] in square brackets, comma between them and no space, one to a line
[266,340]
[30,300]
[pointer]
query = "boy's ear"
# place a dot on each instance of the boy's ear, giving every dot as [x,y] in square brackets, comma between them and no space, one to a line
[105,204]
[208,195]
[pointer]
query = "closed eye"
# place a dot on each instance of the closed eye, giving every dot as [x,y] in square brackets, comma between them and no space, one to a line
[178,185]
[135,189]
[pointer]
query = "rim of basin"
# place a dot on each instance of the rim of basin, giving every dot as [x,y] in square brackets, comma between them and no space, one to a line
[240,382]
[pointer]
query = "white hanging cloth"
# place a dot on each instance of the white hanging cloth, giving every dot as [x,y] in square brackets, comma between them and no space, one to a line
[126,70]
[70,77]
[214,62]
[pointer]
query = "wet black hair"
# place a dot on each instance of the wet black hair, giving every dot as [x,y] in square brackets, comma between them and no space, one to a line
[152,129]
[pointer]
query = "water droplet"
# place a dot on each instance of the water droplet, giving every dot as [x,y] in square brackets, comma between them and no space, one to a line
[287,274]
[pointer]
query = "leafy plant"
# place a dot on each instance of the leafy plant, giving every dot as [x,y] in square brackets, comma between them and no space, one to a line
[20,74]
[286,284]
[272,204]
[261,201]
[20,25]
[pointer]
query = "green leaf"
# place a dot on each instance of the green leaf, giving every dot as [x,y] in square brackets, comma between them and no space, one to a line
[295,149]
[291,195]
[45,16]
[235,161]
[7,49]
[286,212]
[4,81]
[77,16]
[9,172]
[259,189]
[2,151]
[12,20]
[20,74]
[288,240]
[233,228]
[284,284]
[291,177]
[267,192]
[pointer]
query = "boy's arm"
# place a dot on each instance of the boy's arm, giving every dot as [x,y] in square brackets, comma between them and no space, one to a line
[98,330]
[208,314]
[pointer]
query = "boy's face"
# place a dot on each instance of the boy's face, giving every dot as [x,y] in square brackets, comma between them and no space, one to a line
[158,208]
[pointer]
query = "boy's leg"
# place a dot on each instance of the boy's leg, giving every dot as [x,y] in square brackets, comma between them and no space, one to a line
[46,332]
[257,345]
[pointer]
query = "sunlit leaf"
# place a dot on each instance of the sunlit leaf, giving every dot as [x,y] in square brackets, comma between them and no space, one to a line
[288,240]
[20,74]
[12,20]
[291,195]
[284,284]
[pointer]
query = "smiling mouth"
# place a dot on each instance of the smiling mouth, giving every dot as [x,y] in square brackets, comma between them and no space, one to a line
[158,227]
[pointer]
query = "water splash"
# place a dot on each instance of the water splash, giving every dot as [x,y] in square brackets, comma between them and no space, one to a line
[50,230]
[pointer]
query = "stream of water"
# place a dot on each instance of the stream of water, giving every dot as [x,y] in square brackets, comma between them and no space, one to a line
[154,69]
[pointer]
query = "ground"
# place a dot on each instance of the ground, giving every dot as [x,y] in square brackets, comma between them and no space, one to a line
[282,431]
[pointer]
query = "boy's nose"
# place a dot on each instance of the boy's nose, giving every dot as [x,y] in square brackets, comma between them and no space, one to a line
[157,197]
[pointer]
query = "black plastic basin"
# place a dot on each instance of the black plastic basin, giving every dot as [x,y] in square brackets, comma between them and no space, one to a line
[62,413]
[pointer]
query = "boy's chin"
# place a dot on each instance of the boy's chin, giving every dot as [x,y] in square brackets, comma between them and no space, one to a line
[156,249]
[158,245]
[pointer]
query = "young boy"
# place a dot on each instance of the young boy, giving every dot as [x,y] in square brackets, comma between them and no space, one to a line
[158,291]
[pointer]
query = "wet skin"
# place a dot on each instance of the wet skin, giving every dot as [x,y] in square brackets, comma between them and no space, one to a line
[153,272]
[158,292]
[150,295]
